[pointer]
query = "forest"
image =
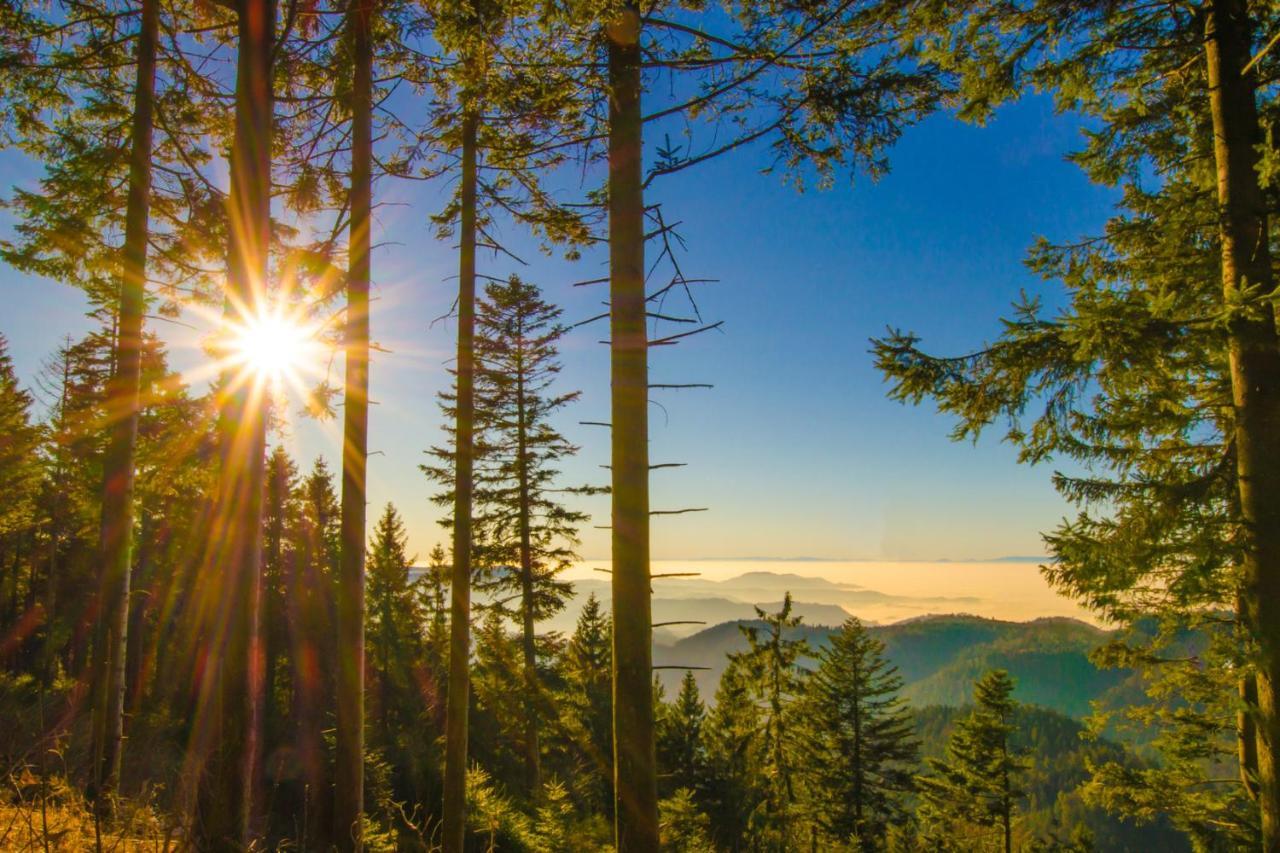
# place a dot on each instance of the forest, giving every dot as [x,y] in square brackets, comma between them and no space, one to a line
[209,644]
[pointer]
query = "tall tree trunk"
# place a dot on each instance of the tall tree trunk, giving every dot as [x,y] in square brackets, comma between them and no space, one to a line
[123,404]
[1255,371]
[532,744]
[231,697]
[634,764]
[349,773]
[455,750]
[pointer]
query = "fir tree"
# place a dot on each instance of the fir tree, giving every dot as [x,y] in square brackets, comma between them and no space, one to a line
[979,782]
[682,754]
[858,745]
[735,786]
[394,636]
[528,531]
[772,663]
[586,707]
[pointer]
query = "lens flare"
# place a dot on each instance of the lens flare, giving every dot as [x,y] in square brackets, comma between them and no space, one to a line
[272,346]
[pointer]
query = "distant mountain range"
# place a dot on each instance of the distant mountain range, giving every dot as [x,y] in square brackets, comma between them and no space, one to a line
[700,603]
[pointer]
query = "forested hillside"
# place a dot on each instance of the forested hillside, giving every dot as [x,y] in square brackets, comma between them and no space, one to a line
[940,657]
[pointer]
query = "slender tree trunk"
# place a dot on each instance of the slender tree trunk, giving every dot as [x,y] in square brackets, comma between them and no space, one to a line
[1255,371]
[455,755]
[349,775]
[634,765]
[532,745]
[123,404]
[230,705]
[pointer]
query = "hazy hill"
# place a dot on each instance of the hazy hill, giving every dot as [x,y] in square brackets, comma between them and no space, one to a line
[940,657]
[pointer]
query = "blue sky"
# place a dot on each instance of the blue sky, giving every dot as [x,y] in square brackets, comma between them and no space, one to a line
[796,451]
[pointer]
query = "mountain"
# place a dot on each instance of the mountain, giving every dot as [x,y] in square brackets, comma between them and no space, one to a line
[939,658]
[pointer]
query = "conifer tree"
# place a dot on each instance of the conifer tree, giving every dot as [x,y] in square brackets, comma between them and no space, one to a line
[349,770]
[772,662]
[528,533]
[1198,69]
[586,706]
[682,758]
[735,787]
[281,513]
[979,782]
[394,635]
[858,745]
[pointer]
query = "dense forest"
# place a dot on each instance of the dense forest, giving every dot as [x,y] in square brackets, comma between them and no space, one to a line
[209,644]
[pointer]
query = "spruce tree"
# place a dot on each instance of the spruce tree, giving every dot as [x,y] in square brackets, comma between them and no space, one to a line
[777,679]
[979,781]
[527,531]
[735,787]
[393,628]
[682,754]
[586,707]
[858,746]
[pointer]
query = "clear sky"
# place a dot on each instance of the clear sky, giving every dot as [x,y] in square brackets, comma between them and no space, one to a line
[796,451]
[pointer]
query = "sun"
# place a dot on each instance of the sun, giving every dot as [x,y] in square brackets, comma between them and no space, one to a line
[273,346]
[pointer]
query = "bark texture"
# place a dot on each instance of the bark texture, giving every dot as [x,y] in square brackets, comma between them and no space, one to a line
[455,755]
[123,405]
[1255,372]
[349,772]
[635,775]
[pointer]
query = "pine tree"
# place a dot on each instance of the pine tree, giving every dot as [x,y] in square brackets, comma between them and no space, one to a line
[979,782]
[528,533]
[349,771]
[1182,494]
[682,755]
[281,513]
[735,788]
[394,635]
[586,707]
[858,745]
[772,663]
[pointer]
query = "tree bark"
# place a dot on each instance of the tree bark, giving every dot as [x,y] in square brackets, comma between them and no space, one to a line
[349,773]
[635,774]
[532,744]
[229,715]
[1255,371]
[455,756]
[123,405]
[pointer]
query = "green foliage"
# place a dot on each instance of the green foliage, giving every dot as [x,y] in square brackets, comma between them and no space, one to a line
[857,745]
[974,792]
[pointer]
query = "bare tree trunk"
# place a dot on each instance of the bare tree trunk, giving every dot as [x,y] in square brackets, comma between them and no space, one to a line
[529,640]
[231,697]
[123,404]
[455,755]
[634,765]
[349,774]
[1255,372]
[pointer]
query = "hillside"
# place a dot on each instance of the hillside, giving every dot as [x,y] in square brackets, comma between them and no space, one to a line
[1059,760]
[939,658]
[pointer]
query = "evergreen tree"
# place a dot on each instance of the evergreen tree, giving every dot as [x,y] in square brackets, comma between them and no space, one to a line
[772,663]
[1194,484]
[735,789]
[979,782]
[586,708]
[684,828]
[858,746]
[529,533]
[394,636]
[682,755]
